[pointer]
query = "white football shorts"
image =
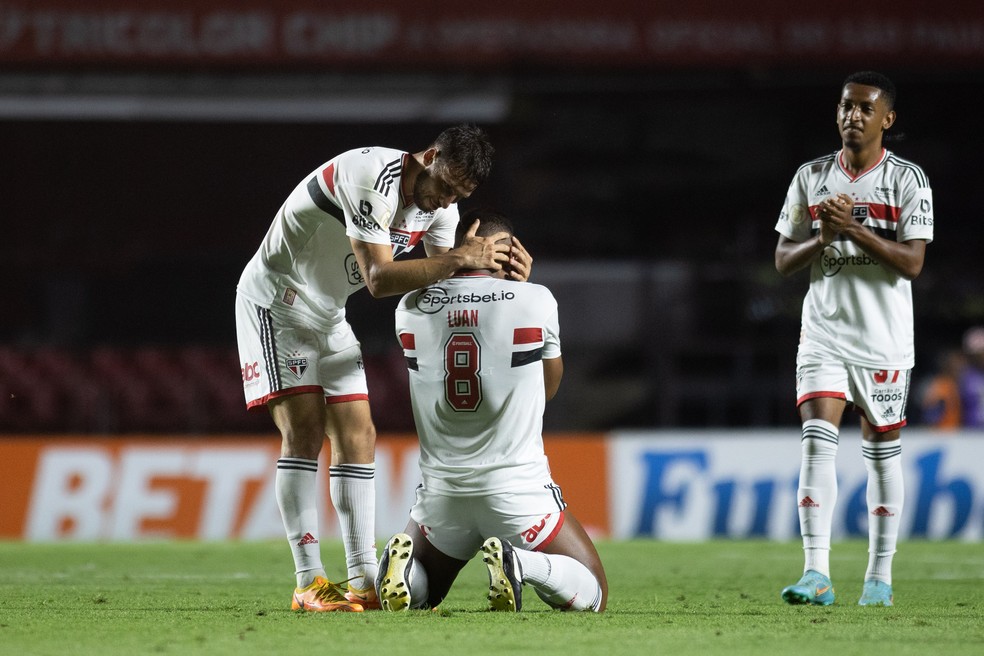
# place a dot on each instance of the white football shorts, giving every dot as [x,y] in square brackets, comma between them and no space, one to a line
[881,394]
[280,358]
[458,525]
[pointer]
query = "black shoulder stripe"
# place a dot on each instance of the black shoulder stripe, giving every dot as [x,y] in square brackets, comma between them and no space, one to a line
[916,170]
[384,181]
[322,201]
[521,358]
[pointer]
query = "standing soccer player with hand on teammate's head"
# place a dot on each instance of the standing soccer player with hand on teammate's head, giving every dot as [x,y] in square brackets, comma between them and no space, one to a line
[860,220]
[337,232]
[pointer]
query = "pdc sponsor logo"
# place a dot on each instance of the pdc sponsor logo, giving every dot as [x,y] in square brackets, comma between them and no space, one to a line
[832,261]
[434,299]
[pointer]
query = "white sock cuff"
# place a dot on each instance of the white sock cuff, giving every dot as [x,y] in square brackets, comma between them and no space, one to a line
[354,472]
[297,464]
[534,566]
[881,450]
[820,429]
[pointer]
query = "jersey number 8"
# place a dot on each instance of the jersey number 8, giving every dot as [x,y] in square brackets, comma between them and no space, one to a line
[462,362]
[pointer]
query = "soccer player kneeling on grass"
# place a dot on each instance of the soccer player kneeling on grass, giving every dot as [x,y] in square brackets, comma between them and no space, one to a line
[483,354]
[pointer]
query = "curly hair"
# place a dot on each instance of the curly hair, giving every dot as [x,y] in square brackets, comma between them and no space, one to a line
[877,80]
[491,223]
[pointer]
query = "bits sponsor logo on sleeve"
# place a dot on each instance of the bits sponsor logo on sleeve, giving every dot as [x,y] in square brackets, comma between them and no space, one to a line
[365,223]
[924,215]
[364,218]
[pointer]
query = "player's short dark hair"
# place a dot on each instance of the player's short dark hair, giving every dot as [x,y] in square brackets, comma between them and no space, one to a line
[466,151]
[491,223]
[877,80]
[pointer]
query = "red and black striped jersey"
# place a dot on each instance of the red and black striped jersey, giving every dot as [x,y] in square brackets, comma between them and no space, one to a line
[857,310]
[474,347]
[305,267]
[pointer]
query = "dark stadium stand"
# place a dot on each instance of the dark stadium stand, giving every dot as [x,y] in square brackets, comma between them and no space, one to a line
[147,389]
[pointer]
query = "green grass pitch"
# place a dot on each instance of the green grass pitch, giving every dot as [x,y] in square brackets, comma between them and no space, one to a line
[666,598]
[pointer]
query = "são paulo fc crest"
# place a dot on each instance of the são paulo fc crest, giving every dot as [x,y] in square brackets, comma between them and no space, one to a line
[297,366]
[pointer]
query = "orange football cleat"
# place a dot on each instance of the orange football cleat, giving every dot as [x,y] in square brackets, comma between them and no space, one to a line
[323,596]
[366,598]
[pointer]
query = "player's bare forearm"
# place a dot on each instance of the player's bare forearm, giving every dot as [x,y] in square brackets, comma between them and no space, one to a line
[792,256]
[905,258]
[396,277]
[386,277]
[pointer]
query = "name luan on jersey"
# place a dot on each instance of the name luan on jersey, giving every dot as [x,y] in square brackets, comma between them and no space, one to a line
[474,347]
[856,309]
[305,267]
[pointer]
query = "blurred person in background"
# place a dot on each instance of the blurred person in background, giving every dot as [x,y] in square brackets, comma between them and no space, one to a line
[483,355]
[859,219]
[939,400]
[337,232]
[971,381]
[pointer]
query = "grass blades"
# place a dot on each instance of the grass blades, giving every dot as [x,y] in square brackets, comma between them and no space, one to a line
[666,598]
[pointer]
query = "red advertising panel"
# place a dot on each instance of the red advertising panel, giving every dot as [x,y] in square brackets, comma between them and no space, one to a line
[58,488]
[341,36]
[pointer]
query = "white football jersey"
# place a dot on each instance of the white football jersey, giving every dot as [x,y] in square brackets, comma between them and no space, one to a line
[857,310]
[305,267]
[474,346]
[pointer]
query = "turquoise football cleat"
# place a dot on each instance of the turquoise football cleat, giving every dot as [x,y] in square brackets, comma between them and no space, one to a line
[814,588]
[876,593]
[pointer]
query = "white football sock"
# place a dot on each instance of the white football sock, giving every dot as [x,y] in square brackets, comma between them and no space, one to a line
[560,581]
[296,486]
[817,492]
[886,496]
[353,493]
